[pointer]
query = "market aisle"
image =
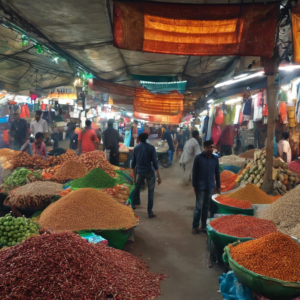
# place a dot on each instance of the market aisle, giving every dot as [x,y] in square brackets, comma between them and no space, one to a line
[166,242]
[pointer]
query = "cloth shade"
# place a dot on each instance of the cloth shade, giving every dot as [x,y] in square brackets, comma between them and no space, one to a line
[157,104]
[159,118]
[296,32]
[185,29]
[164,87]
[111,88]
[153,78]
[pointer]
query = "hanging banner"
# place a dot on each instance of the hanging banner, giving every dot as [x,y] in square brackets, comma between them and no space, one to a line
[186,29]
[111,88]
[296,33]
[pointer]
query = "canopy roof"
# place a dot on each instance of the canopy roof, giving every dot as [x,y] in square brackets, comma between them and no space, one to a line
[81,31]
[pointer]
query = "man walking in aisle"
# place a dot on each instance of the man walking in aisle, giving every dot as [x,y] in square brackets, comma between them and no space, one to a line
[190,150]
[206,175]
[144,163]
[18,131]
[168,137]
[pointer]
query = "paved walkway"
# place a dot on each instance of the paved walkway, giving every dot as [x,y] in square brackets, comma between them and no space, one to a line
[166,242]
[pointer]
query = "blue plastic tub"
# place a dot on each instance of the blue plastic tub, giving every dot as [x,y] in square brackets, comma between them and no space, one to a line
[233,169]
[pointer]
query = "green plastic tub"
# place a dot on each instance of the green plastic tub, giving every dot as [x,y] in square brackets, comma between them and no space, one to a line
[272,288]
[225,209]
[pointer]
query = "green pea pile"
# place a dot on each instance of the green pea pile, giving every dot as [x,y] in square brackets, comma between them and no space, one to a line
[15,230]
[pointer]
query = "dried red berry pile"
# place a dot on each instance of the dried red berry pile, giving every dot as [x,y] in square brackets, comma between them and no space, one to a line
[243,226]
[65,266]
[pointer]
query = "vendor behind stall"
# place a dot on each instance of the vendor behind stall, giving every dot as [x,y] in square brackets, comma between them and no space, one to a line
[39,124]
[35,147]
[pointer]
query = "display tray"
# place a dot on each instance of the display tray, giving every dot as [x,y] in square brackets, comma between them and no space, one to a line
[272,288]
[230,209]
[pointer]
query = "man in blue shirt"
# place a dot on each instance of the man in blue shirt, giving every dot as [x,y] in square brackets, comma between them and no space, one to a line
[144,163]
[205,173]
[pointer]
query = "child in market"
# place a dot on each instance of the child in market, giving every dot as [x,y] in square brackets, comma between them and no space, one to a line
[37,146]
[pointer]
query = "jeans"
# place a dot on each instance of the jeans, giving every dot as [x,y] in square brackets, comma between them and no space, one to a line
[114,158]
[202,206]
[170,156]
[150,177]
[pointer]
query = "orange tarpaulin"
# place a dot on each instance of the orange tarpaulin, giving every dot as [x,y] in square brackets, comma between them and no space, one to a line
[246,29]
[159,118]
[169,104]
[296,33]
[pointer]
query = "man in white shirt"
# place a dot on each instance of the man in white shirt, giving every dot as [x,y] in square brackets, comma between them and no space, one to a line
[190,150]
[284,148]
[39,124]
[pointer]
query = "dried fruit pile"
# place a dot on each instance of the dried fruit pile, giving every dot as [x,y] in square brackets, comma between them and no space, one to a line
[36,195]
[234,202]
[243,226]
[119,192]
[96,178]
[96,159]
[252,194]
[23,159]
[65,266]
[70,170]
[66,157]
[87,209]
[275,255]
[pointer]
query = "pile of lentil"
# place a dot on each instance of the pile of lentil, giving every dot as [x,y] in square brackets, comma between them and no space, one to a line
[234,202]
[243,226]
[252,194]
[87,209]
[35,195]
[275,255]
[65,266]
[96,178]
[70,170]
[285,212]
[227,180]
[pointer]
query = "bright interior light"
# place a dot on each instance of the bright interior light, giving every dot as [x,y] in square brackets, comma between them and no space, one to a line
[232,101]
[289,67]
[241,76]
[204,113]
[129,114]
[231,81]
[210,101]
[286,87]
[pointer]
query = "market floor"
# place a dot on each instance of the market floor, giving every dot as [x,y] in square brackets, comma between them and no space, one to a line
[166,242]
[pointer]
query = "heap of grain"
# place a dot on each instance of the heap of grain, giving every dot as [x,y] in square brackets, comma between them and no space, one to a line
[285,213]
[87,209]
[252,194]
[248,154]
[70,170]
[233,160]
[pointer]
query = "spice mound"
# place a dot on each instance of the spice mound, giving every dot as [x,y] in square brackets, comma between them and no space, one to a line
[96,178]
[65,266]
[227,180]
[248,154]
[70,170]
[35,195]
[243,226]
[285,213]
[234,202]
[252,194]
[87,209]
[275,255]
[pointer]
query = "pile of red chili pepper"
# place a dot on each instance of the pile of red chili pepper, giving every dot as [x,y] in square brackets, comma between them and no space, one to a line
[275,255]
[65,266]
[243,226]
[227,180]
[234,202]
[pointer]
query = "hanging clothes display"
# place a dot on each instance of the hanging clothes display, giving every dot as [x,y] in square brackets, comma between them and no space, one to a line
[210,122]
[24,111]
[283,113]
[205,126]
[219,117]
[247,104]
[237,113]
[258,103]
[216,132]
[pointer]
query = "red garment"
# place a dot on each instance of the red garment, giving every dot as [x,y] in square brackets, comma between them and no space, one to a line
[39,149]
[216,132]
[87,140]
[227,136]
[5,136]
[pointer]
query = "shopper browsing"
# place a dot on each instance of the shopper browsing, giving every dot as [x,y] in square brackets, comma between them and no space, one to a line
[144,163]
[168,137]
[284,148]
[87,138]
[206,175]
[18,131]
[35,147]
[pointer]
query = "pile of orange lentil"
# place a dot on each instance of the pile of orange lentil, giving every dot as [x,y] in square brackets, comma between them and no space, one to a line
[227,180]
[243,226]
[275,255]
[234,202]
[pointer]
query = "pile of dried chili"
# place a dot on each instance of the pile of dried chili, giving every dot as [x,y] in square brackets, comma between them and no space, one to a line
[65,266]
[234,202]
[243,226]
[275,255]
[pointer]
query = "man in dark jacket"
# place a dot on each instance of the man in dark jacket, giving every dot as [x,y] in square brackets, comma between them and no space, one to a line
[18,131]
[168,137]
[206,175]
[111,139]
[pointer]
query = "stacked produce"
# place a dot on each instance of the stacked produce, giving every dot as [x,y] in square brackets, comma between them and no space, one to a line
[118,192]
[48,173]
[294,166]
[87,209]
[65,266]
[36,195]
[254,173]
[234,202]
[69,155]
[6,156]
[70,170]
[274,255]
[19,177]
[15,230]
[285,212]
[23,159]
[96,159]
[252,194]
[227,180]
[233,160]
[96,178]
[243,226]
[248,154]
